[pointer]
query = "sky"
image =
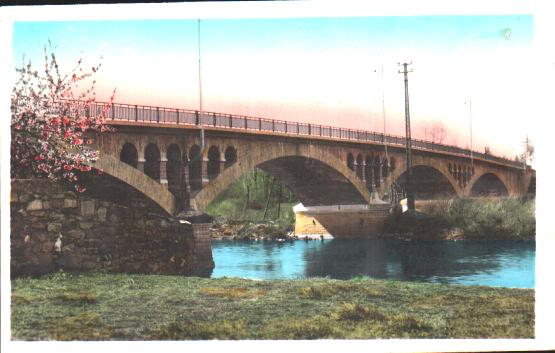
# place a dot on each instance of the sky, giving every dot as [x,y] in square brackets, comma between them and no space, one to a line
[319,70]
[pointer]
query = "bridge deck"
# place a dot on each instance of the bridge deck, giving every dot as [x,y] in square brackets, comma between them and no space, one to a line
[141,115]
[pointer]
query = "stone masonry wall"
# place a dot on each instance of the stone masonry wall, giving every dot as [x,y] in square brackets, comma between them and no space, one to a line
[53,229]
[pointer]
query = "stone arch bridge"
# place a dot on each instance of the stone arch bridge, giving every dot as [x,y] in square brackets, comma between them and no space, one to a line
[159,153]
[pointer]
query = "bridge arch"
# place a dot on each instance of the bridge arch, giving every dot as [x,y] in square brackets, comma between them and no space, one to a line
[129,154]
[385,168]
[378,176]
[488,183]
[135,178]
[433,169]
[350,161]
[152,161]
[359,165]
[195,167]
[173,168]
[213,166]
[291,163]
[230,156]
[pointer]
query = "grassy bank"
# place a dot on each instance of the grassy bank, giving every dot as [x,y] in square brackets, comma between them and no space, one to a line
[479,218]
[149,307]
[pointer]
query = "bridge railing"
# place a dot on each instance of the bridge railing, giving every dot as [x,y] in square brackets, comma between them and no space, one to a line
[142,113]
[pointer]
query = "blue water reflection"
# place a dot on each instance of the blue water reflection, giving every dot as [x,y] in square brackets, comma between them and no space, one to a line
[489,263]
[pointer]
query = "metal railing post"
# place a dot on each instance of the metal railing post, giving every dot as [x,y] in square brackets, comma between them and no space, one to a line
[260,124]
[273,125]
[157,115]
[214,119]
[245,120]
[230,121]
[309,130]
[177,118]
[113,112]
[136,113]
[197,118]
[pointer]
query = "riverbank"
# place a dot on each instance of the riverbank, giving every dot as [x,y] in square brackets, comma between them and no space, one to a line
[248,230]
[470,219]
[94,306]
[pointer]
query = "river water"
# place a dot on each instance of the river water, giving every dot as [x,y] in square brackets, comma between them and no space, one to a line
[489,263]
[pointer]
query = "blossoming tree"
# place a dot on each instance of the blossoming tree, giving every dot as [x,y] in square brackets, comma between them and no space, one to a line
[51,119]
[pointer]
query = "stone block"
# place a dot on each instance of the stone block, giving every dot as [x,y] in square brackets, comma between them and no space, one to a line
[38,226]
[47,247]
[86,225]
[72,261]
[101,213]
[87,208]
[54,227]
[24,197]
[36,213]
[34,205]
[75,234]
[40,236]
[56,203]
[70,203]
[54,216]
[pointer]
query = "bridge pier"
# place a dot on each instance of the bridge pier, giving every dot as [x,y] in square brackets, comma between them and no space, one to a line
[163,170]
[185,186]
[204,180]
[141,164]
[222,163]
[363,172]
[380,172]
[341,221]
[372,177]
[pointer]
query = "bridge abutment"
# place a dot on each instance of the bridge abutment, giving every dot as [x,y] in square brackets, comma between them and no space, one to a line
[55,229]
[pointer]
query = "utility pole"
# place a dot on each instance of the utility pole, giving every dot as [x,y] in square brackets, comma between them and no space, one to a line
[410,188]
[470,126]
[200,93]
[526,145]
[383,115]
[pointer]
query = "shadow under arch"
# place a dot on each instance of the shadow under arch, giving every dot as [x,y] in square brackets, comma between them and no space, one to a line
[142,183]
[429,183]
[315,177]
[447,184]
[489,184]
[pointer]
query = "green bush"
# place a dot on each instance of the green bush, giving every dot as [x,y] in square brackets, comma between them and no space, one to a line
[246,199]
[507,218]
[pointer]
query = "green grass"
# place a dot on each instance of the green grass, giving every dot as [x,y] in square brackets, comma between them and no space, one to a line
[95,306]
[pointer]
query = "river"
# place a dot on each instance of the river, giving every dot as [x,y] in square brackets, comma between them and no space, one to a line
[488,263]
